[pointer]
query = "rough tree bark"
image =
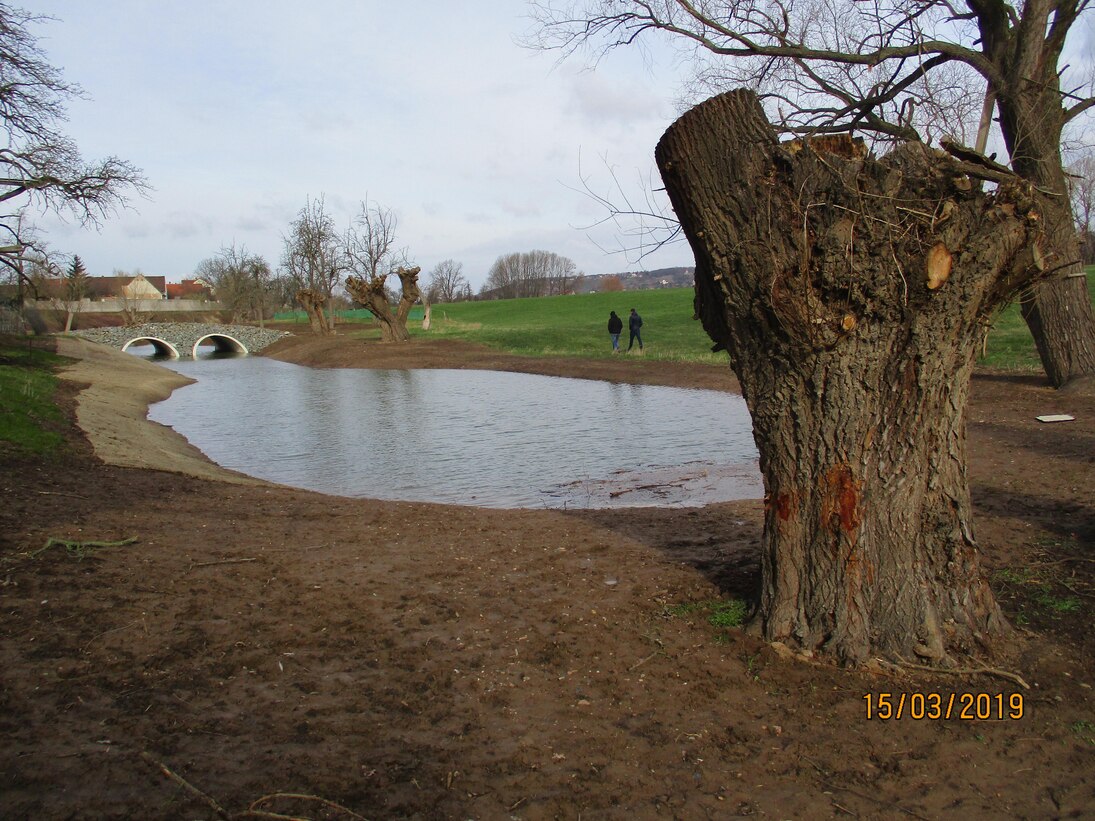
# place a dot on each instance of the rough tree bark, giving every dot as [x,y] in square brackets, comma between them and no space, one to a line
[370,293]
[313,303]
[852,295]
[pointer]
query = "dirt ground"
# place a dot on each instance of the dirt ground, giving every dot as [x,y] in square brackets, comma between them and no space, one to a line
[427,661]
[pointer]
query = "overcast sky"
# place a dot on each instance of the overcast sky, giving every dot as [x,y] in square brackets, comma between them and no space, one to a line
[240,111]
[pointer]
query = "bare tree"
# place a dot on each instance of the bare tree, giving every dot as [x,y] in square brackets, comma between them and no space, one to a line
[1082,179]
[531,274]
[372,256]
[40,165]
[447,282]
[313,259]
[240,280]
[897,71]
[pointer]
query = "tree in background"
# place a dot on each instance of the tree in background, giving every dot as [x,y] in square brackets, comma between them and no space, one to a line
[1082,180]
[372,256]
[447,282]
[314,261]
[896,71]
[75,290]
[240,280]
[40,165]
[612,284]
[129,303]
[531,274]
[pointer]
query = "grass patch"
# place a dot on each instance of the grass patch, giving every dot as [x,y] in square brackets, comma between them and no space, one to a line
[1039,593]
[1084,730]
[28,411]
[722,613]
[1010,345]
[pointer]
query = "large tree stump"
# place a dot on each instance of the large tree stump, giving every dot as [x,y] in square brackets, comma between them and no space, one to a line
[852,294]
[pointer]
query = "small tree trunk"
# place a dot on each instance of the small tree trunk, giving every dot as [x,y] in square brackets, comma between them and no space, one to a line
[852,295]
[426,317]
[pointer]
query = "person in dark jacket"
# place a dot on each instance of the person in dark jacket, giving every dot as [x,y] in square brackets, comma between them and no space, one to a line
[634,322]
[615,328]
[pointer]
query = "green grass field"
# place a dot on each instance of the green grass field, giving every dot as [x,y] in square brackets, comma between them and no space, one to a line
[577,326]
[27,408]
[1010,346]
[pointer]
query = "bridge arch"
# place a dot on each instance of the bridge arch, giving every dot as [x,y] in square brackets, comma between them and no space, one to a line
[162,346]
[222,343]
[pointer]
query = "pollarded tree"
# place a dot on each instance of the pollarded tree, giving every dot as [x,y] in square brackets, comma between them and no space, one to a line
[372,294]
[313,260]
[373,256]
[895,70]
[39,164]
[853,294]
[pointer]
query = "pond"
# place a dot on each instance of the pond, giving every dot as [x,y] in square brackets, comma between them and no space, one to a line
[484,438]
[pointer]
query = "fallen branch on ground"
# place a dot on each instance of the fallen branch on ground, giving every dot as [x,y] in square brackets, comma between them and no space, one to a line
[254,810]
[223,561]
[78,549]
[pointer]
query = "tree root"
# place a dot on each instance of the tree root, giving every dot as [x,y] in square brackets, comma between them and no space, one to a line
[957,671]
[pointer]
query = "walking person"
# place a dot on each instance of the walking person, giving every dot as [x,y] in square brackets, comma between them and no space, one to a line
[615,328]
[634,322]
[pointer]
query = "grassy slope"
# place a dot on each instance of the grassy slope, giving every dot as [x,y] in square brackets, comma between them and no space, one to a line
[577,326]
[27,408]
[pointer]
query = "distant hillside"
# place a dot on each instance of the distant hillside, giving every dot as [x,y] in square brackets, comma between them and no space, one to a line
[640,280]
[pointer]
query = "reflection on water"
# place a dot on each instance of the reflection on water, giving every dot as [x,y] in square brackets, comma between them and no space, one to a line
[470,437]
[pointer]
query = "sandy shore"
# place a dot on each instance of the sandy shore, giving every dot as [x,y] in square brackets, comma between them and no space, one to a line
[112,411]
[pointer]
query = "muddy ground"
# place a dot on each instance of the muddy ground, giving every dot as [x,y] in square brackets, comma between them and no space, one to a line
[426,661]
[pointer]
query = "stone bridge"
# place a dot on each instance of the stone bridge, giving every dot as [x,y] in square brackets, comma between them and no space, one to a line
[182,339]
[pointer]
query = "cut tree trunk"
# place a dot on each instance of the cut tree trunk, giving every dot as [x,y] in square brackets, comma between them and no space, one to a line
[371,293]
[852,295]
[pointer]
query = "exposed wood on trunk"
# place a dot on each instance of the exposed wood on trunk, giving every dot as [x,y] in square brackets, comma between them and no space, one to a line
[939,265]
[810,272]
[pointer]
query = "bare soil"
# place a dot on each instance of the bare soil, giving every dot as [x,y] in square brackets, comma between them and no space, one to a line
[428,661]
